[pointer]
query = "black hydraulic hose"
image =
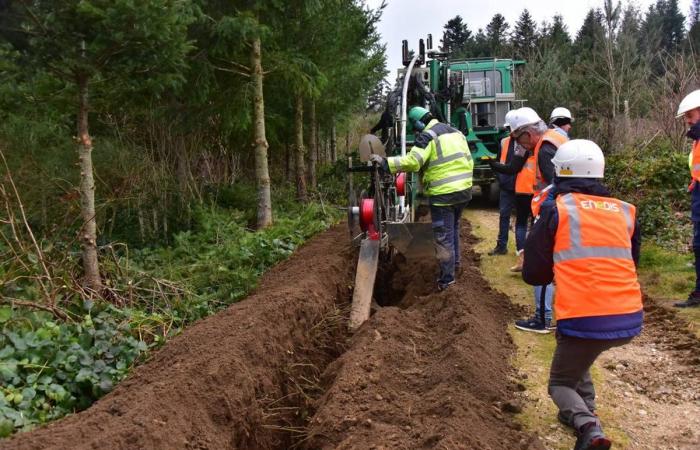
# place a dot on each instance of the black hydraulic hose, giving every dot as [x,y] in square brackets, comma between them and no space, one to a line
[430,97]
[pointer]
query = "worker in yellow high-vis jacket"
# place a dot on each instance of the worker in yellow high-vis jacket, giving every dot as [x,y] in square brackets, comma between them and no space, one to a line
[440,152]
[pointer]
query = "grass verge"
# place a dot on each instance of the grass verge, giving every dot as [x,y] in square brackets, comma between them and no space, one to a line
[668,277]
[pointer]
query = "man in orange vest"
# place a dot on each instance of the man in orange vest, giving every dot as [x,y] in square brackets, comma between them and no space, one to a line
[689,109]
[588,243]
[532,162]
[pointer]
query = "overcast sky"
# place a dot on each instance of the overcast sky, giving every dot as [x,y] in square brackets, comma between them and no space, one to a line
[414,19]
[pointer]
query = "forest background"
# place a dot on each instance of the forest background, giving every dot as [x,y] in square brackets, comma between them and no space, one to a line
[157,157]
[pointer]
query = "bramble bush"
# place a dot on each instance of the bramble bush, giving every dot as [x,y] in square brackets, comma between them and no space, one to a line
[655,179]
[49,369]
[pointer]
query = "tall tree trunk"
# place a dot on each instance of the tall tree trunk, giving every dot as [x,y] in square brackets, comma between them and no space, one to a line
[313,145]
[299,147]
[88,235]
[347,142]
[334,142]
[262,174]
[319,146]
[289,163]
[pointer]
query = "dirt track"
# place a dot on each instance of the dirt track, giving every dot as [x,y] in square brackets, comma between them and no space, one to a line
[278,370]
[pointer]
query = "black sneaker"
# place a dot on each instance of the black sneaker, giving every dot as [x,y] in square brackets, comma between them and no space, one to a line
[498,251]
[693,301]
[533,324]
[592,438]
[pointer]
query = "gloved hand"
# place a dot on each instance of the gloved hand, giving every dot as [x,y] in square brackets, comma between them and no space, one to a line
[377,159]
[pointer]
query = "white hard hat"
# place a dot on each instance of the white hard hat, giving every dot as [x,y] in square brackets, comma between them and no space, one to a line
[522,117]
[691,101]
[508,118]
[579,158]
[560,113]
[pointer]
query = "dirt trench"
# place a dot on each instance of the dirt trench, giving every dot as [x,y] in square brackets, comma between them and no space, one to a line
[279,370]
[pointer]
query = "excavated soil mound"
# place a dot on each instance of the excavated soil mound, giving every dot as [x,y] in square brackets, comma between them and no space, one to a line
[238,379]
[277,370]
[431,372]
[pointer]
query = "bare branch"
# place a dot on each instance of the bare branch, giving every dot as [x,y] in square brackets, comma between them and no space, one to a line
[57,312]
[224,69]
[37,249]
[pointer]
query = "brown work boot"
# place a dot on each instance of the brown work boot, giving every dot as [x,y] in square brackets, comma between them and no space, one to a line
[518,267]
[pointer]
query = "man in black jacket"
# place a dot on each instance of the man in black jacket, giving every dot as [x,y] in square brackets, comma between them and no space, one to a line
[506,196]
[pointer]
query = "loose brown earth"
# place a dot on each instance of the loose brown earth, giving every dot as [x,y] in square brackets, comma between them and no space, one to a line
[279,370]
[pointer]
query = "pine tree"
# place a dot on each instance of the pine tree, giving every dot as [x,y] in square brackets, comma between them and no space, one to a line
[456,38]
[376,99]
[480,46]
[694,27]
[631,21]
[674,26]
[524,39]
[137,46]
[590,33]
[497,35]
[558,36]
[663,28]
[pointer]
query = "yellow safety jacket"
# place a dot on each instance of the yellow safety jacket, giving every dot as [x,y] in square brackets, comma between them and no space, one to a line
[441,153]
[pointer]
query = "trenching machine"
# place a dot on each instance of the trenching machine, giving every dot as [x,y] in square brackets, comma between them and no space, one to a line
[472,95]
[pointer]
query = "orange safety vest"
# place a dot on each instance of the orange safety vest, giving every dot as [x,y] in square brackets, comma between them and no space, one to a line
[538,199]
[694,165]
[593,266]
[529,178]
[525,179]
[505,143]
[554,138]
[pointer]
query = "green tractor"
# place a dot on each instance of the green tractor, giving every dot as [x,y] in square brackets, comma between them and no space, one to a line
[473,95]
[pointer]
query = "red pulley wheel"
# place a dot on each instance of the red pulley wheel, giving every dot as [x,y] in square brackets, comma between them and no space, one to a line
[367,218]
[401,183]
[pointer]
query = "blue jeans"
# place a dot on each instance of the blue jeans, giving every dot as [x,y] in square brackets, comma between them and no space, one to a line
[696,252]
[548,296]
[446,234]
[506,203]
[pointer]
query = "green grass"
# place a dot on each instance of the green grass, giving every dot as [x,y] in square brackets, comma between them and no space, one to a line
[534,351]
[668,277]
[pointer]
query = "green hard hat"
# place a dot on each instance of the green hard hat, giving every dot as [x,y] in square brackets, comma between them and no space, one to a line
[416,113]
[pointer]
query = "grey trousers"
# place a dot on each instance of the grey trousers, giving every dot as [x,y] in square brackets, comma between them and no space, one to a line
[570,384]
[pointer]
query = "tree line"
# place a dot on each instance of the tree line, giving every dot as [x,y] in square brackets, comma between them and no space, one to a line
[156,105]
[622,72]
